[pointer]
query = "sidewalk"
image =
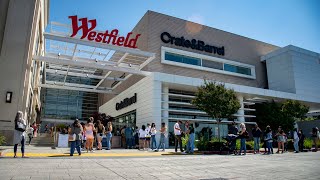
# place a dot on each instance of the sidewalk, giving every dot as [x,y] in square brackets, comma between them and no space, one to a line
[36,151]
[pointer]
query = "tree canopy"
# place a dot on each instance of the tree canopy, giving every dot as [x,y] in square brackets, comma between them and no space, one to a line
[280,114]
[216,100]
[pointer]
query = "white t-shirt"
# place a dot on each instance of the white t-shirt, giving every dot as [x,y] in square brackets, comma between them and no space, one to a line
[142,133]
[176,132]
[153,131]
[148,129]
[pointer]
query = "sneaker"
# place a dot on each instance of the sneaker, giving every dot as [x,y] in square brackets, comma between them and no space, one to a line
[92,151]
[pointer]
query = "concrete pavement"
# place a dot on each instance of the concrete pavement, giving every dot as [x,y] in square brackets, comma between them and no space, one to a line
[278,166]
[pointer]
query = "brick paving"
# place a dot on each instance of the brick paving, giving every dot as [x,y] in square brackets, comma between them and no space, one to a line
[202,167]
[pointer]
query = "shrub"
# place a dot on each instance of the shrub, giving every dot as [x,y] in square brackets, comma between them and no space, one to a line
[249,144]
[2,140]
[307,143]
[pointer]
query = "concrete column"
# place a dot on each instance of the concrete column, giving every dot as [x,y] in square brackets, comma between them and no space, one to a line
[241,110]
[165,114]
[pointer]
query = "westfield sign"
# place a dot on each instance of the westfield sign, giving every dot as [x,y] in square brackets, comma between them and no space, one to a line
[107,37]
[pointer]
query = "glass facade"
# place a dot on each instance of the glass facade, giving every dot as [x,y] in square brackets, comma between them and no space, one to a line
[127,119]
[207,63]
[67,104]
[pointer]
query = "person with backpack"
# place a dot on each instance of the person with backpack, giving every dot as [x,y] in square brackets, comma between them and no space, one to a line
[19,133]
[243,134]
[75,136]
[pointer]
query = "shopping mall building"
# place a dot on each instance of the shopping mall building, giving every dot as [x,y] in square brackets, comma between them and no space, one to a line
[149,75]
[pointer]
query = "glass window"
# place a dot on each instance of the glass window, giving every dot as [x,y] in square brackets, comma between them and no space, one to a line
[182,59]
[237,69]
[212,64]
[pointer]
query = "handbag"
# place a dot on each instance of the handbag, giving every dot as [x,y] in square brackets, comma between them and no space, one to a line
[20,127]
[72,137]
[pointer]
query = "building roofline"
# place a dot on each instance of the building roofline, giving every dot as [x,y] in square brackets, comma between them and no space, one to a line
[290,48]
[268,44]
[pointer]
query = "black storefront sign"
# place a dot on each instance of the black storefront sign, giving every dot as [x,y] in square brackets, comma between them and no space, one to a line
[126,102]
[193,44]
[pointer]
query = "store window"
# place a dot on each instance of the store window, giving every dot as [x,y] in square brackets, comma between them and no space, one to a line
[127,119]
[183,59]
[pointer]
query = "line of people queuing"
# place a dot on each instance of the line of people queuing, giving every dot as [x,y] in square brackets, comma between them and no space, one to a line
[85,135]
[268,137]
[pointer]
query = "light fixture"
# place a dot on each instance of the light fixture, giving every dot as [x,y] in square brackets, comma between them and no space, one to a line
[8,97]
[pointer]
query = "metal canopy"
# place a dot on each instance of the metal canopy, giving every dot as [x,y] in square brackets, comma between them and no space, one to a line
[82,65]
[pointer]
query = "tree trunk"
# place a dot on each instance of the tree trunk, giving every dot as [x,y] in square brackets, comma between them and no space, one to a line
[219,131]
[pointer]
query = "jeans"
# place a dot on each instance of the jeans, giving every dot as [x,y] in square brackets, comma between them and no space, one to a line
[243,145]
[30,138]
[129,142]
[109,135]
[190,145]
[269,146]
[177,141]
[296,144]
[153,142]
[162,142]
[15,148]
[75,144]
[256,143]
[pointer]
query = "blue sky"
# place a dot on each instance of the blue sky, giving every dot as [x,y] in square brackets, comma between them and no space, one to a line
[278,22]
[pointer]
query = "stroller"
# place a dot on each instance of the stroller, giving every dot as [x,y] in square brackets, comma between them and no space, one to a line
[231,143]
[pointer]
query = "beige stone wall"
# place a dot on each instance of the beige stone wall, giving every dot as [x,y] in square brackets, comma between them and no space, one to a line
[237,48]
[22,25]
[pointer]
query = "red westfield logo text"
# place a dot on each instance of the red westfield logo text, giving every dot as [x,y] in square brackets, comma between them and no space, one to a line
[104,37]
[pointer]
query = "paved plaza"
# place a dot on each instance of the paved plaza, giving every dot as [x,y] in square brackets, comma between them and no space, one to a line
[205,167]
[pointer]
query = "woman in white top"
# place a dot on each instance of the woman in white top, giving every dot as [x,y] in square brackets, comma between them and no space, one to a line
[19,133]
[142,137]
[153,136]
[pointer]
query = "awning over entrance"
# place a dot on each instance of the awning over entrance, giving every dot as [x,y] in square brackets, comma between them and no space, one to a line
[82,65]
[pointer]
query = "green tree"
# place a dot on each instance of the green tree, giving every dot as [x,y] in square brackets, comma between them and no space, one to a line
[217,101]
[294,109]
[280,114]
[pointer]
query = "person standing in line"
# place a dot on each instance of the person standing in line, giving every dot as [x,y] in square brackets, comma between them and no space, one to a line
[76,130]
[243,134]
[269,140]
[19,133]
[89,129]
[190,145]
[163,131]
[301,140]
[295,140]
[30,133]
[100,131]
[142,138]
[109,135]
[83,141]
[177,134]
[285,142]
[256,133]
[315,137]
[280,140]
[233,130]
[128,133]
[136,137]
[148,135]
[153,136]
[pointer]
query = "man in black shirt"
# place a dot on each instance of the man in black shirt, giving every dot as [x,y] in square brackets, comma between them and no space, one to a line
[256,133]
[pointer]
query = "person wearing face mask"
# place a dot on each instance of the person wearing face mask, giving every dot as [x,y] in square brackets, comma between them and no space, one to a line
[19,133]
